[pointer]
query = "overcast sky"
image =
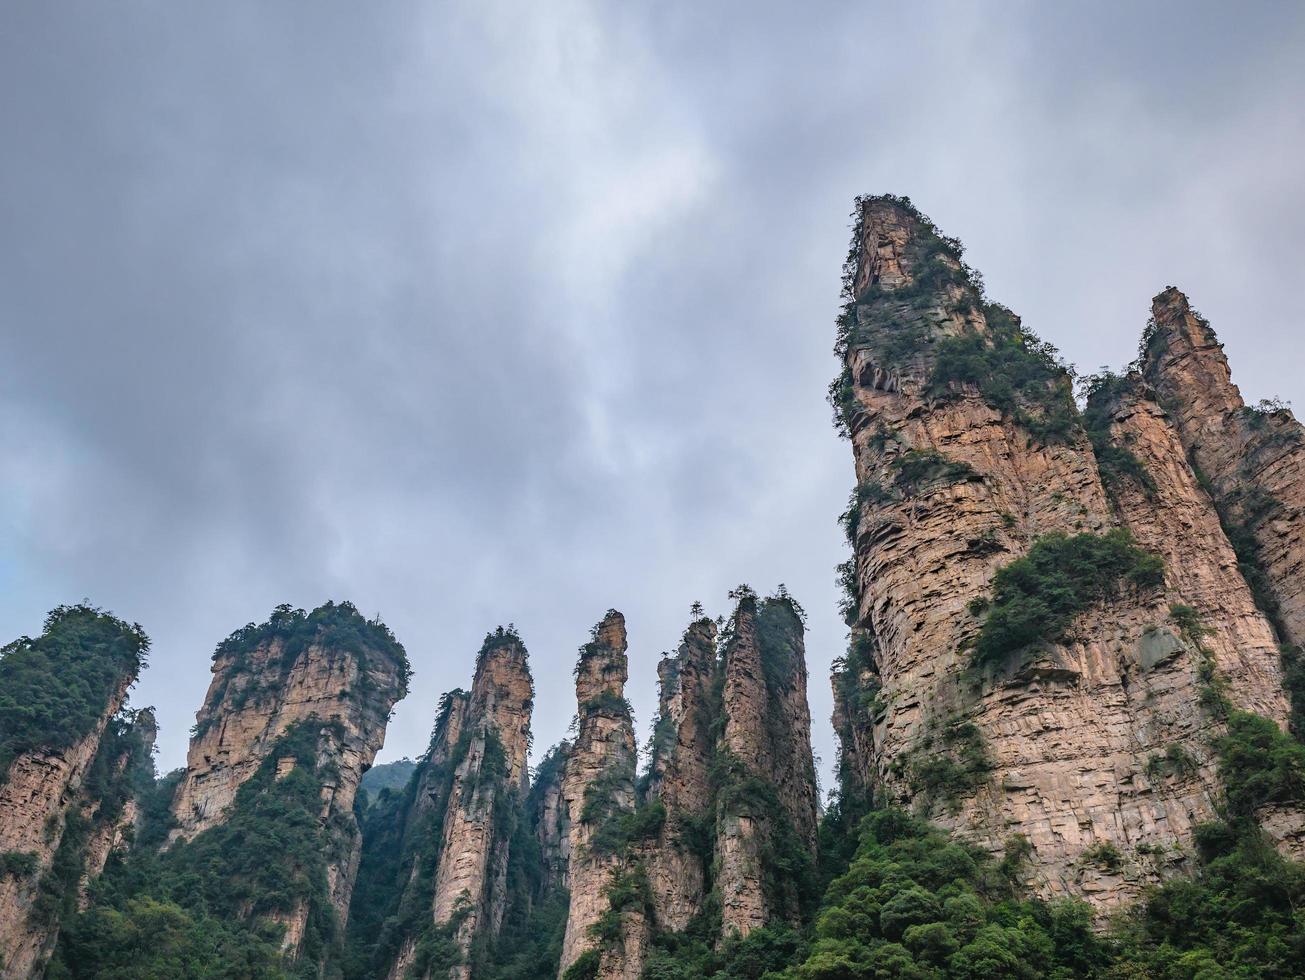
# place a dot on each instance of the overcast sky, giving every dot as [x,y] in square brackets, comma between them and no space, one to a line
[486,312]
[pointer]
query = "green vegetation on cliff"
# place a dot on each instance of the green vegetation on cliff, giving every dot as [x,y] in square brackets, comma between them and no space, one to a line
[1036,597]
[333,625]
[56,687]
[220,897]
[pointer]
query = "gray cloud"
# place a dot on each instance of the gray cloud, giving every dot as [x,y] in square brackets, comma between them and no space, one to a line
[488,312]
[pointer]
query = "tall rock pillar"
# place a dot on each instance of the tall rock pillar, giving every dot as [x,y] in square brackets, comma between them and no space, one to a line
[599,779]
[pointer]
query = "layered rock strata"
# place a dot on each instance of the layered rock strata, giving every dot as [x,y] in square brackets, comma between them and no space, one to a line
[765,746]
[1252,459]
[469,793]
[599,781]
[329,669]
[968,451]
[679,774]
[489,787]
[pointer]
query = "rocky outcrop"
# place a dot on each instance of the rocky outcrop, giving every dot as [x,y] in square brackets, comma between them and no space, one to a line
[422,820]
[598,784]
[679,774]
[458,822]
[485,799]
[1252,458]
[968,452]
[69,683]
[329,670]
[767,802]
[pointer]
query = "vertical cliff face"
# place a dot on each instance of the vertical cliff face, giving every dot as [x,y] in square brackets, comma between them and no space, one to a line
[767,800]
[321,683]
[412,826]
[60,782]
[969,455]
[599,781]
[437,856]
[1251,458]
[550,821]
[679,774]
[486,797]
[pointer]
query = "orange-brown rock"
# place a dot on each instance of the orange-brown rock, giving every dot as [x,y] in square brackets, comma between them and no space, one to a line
[548,816]
[599,779]
[429,805]
[679,774]
[491,776]
[766,739]
[1253,458]
[329,667]
[41,790]
[952,488]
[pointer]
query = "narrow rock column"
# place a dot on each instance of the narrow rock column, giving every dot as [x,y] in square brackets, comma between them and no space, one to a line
[1253,460]
[599,778]
[471,875]
[680,774]
[769,793]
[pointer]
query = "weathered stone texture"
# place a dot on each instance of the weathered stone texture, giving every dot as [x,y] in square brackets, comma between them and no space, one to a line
[35,798]
[255,697]
[1253,460]
[767,737]
[604,749]
[679,773]
[471,874]
[1071,730]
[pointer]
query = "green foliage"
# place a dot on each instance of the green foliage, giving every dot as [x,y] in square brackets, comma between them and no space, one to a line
[332,624]
[1037,597]
[914,903]
[220,893]
[1176,761]
[919,469]
[947,766]
[694,956]
[1014,371]
[621,828]
[1259,764]
[1104,855]
[18,864]
[1293,681]
[1116,463]
[387,775]
[607,703]
[395,888]
[585,966]
[1237,917]
[148,939]
[53,689]
[887,318]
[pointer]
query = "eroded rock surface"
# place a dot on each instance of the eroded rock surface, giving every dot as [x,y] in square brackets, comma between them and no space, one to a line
[599,779]
[330,668]
[958,478]
[1252,458]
